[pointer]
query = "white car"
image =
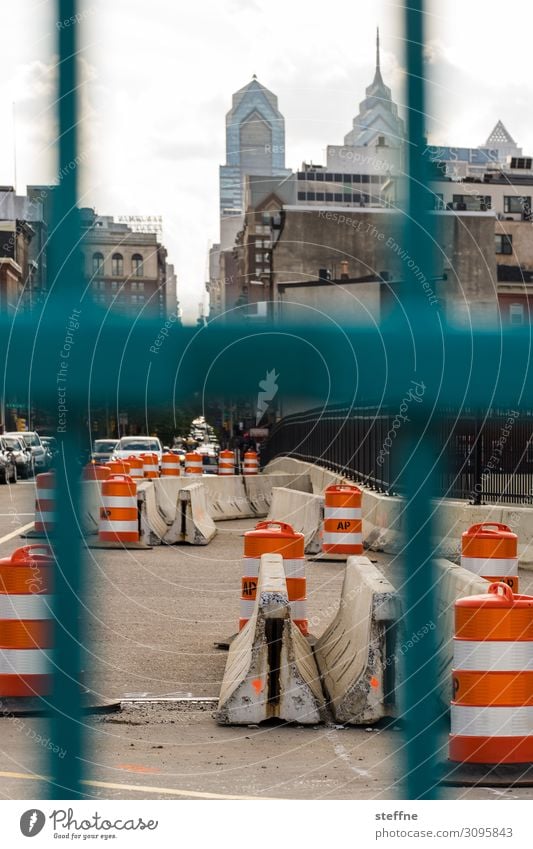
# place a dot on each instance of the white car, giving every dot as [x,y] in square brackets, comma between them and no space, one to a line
[40,456]
[134,446]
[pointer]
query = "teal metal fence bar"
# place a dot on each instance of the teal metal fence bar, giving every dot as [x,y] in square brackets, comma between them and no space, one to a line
[64,378]
[417,477]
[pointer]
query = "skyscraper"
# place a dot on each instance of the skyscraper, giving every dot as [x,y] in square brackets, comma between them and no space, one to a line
[255,143]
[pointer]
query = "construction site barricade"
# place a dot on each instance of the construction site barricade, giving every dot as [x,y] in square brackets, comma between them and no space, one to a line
[490,549]
[45,502]
[193,464]
[492,704]
[343,525]
[26,622]
[271,537]
[118,513]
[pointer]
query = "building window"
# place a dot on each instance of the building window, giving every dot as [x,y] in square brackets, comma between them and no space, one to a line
[516,313]
[338,197]
[347,178]
[117,265]
[347,197]
[504,243]
[98,263]
[320,176]
[133,285]
[439,201]
[329,178]
[137,264]
[301,195]
[517,204]
[310,175]
[329,196]
[134,300]
[320,196]
[311,196]
[114,285]
[140,286]
[142,299]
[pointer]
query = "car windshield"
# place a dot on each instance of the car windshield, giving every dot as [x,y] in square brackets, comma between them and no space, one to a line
[31,439]
[138,445]
[11,442]
[104,444]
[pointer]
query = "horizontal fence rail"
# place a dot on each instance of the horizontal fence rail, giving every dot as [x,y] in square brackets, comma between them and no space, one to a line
[485,459]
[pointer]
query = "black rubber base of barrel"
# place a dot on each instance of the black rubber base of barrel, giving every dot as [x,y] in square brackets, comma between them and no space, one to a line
[33,534]
[486,775]
[30,706]
[331,558]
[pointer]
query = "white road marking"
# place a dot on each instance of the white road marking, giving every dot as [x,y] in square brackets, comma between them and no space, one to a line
[141,788]
[16,533]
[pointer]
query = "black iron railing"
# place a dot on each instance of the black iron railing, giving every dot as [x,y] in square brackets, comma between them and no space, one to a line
[485,459]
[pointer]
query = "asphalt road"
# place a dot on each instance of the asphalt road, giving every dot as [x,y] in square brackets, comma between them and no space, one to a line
[152,619]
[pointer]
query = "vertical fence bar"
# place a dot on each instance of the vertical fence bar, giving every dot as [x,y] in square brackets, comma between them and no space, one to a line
[420,669]
[66,286]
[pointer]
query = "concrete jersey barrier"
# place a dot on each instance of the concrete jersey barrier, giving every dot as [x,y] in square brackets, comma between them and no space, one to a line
[270,671]
[452,582]
[303,511]
[355,654]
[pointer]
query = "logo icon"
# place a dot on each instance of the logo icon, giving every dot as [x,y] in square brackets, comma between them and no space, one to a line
[32,822]
[268,390]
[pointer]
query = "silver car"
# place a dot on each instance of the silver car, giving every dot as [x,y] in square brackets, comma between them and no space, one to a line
[40,456]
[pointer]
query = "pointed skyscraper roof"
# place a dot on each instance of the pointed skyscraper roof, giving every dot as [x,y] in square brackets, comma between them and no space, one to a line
[378,114]
[500,135]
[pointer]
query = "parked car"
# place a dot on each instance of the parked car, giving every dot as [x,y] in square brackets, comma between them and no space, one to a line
[103,450]
[8,467]
[40,456]
[50,443]
[21,455]
[137,445]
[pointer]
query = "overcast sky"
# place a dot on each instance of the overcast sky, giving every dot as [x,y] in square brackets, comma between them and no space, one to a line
[157,79]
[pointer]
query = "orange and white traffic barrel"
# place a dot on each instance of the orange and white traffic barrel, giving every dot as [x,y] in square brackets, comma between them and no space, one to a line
[193,463]
[226,462]
[95,472]
[490,550]
[150,465]
[251,463]
[275,538]
[136,465]
[343,524]
[26,622]
[45,502]
[119,467]
[118,513]
[170,466]
[492,707]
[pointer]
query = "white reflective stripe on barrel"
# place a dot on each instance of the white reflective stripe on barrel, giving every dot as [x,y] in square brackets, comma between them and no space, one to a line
[497,566]
[298,609]
[28,606]
[342,513]
[45,494]
[246,609]
[118,527]
[493,655]
[24,662]
[119,501]
[294,568]
[45,516]
[341,539]
[472,721]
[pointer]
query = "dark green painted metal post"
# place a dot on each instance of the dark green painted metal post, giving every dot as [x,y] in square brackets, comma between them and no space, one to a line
[420,706]
[65,381]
